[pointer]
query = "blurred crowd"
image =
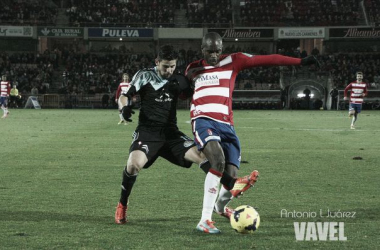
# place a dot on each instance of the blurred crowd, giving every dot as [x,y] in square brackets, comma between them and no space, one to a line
[27,12]
[143,12]
[67,72]
[198,13]
[300,13]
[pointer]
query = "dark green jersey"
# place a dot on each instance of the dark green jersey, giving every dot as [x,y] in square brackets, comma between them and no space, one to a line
[158,97]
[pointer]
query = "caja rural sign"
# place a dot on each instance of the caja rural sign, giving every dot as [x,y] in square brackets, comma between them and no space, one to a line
[60,32]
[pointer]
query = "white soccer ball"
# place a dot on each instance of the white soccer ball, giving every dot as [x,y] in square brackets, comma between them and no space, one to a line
[245,219]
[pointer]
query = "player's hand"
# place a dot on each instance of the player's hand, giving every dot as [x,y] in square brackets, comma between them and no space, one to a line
[345,98]
[127,113]
[309,60]
[181,80]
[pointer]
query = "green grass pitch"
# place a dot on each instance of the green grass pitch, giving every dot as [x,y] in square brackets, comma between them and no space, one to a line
[60,176]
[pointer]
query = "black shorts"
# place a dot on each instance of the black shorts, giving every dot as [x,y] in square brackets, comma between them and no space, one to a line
[172,147]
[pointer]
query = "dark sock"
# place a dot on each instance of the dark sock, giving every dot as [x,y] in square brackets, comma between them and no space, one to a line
[126,187]
[227,180]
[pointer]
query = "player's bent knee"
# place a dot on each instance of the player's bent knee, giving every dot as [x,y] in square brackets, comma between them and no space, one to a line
[218,162]
[133,169]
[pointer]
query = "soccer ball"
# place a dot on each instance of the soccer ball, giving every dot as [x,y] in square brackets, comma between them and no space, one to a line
[245,219]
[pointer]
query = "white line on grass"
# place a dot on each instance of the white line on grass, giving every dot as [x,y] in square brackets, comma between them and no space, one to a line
[309,129]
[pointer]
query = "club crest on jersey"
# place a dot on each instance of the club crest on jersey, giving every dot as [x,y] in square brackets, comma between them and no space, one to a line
[206,80]
[209,131]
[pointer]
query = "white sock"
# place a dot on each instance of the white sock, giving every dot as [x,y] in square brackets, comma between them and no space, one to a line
[211,188]
[224,198]
[353,121]
[121,117]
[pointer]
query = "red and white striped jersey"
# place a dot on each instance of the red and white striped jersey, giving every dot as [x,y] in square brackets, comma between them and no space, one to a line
[213,85]
[358,91]
[5,88]
[122,89]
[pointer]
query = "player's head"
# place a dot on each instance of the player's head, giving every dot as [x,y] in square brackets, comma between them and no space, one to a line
[212,47]
[3,77]
[125,77]
[166,61]
[359,76]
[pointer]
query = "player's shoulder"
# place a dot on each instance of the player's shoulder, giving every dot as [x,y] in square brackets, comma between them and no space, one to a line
[143,72]
[195,64]
[146,70]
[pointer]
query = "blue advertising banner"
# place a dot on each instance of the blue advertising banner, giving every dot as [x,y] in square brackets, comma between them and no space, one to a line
[120,32]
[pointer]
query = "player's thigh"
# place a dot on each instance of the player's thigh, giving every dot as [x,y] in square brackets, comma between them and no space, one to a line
[194,155]
[136,161]
[181,151]
[230,145]
[358,108]
[215,155]
[351,108]
[148,149]
[3,100]
[122,101]
[204,131]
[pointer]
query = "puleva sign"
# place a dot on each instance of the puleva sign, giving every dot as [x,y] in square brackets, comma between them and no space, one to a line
[120,32]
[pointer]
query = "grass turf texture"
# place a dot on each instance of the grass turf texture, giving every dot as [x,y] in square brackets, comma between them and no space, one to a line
[61,174]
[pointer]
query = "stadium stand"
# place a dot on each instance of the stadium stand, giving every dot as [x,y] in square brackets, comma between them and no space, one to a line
[156,13]
[31,12]
[92,67]
[211,13]
[373,12]
[267,13]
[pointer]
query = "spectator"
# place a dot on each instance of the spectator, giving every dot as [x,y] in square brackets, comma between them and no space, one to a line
[334,98]
[34,91]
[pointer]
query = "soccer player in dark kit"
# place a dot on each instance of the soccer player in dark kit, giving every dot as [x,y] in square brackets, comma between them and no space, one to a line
[157,134]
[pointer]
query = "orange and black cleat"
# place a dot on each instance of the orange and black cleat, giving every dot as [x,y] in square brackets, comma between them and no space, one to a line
[242,184]
[121,214]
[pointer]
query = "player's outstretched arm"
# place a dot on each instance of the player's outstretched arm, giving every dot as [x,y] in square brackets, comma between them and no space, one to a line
[248,61]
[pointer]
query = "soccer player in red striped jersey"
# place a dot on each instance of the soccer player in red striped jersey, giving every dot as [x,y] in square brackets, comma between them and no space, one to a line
[358,92]
[123,88]
[211,113]
[4,95]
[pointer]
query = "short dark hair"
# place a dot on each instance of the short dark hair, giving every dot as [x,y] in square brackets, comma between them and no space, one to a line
[167,52]
[359,73]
